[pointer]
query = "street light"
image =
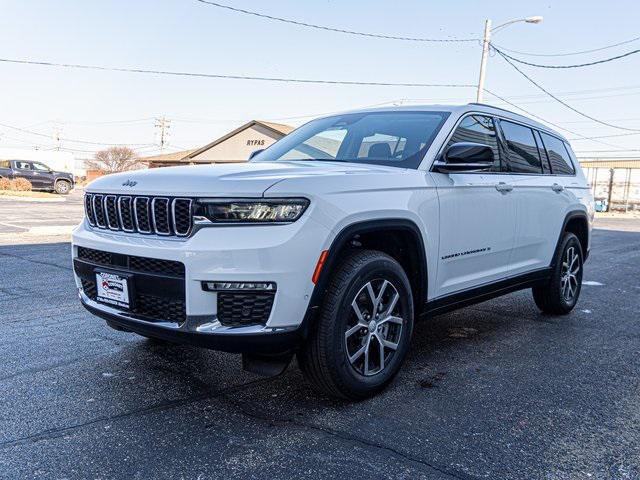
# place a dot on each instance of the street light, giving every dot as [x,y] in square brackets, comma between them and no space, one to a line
[485,47]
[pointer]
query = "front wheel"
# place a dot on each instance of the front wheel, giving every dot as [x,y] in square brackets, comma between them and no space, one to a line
[364,328]
[560,294]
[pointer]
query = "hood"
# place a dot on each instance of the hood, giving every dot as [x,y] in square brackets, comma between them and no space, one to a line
[250,179]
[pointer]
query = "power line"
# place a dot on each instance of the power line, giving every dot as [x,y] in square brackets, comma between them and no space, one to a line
[549,122]
[233,77]
[577,65]
[581,52]
[57,138]
[333,29]
[540,87]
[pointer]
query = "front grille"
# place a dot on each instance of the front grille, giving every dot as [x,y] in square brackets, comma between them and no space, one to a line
[242,309]
[140,214]
[132,263]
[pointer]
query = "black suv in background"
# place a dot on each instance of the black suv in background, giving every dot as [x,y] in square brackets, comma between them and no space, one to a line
[40,176]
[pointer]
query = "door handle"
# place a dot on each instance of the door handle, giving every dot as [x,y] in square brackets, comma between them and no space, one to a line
[504,187]
[556,187]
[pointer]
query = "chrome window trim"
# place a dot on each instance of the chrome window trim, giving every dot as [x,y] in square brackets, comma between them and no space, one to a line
[129,199]
[153,216]
[173,216]
[135,214]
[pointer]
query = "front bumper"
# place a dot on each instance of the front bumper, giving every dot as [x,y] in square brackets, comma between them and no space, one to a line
[284,254]
[202,331]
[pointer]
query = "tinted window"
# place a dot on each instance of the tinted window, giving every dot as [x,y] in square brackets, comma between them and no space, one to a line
[23,165]
[386,138]
[478,129]
[522,148]
[546,168]
[40,166]
[558,155]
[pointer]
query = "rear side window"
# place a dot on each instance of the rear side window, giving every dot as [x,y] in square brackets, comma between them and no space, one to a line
[478,129]
[558,155]
[5,164]
[522,147]
[23,165]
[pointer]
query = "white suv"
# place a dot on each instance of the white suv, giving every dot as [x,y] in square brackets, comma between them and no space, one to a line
[333,241]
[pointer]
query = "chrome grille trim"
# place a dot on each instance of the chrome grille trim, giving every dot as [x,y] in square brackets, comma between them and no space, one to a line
[153,215]
[173,216]
[127,199]
[100,199]
[119,213]
[108,211]
[88,209]
[135,213]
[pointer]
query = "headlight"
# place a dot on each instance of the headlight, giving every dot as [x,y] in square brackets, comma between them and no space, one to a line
[281,210]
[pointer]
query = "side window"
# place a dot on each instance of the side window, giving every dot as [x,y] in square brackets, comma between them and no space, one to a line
[40,166]
[478,129]
[546,166]
[5,164]
[523,150]
[558,155]
[23,165]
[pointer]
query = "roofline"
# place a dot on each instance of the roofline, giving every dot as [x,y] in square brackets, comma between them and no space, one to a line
[249,124]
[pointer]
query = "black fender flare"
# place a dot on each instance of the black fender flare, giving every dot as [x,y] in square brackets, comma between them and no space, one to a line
[340,241]
[568,217]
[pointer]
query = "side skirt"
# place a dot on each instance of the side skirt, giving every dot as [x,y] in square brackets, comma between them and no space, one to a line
[486,292]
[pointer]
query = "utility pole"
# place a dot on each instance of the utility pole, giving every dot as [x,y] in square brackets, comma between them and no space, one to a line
[56,137]
[483,63]
[163,124]
[486,41]
[611,172]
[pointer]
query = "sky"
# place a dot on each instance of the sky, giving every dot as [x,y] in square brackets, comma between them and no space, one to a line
[88,108]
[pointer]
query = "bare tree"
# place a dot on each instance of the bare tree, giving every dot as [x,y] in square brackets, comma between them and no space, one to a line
[115,159]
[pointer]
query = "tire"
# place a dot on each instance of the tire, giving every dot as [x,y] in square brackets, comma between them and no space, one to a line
[325,358]
[560,294]
[62,187]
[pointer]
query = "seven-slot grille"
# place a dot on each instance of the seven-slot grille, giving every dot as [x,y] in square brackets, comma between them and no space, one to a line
[139,214]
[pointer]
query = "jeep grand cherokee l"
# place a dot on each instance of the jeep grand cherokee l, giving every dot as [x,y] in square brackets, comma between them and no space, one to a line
[330,243]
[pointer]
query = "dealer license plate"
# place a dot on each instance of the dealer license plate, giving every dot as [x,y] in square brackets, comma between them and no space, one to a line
[112,289]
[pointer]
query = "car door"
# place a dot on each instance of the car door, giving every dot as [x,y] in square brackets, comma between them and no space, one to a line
[42,175]
[477,215]
[541,202]
[24,170]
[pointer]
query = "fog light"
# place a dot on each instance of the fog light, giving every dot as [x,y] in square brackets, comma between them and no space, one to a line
[238,286]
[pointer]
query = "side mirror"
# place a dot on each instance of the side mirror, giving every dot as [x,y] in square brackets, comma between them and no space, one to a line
[255,152]
[465,157]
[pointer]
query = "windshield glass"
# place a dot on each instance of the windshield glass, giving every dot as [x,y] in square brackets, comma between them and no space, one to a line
[398,139]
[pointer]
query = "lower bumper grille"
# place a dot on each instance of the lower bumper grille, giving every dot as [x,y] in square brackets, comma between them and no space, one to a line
[243,309]
[158,285]
[148,306]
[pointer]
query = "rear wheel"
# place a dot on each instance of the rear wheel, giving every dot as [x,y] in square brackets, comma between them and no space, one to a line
[561,293]
[63,187]
[364,329]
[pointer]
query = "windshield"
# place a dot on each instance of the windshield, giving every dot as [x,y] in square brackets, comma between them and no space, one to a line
[398,139]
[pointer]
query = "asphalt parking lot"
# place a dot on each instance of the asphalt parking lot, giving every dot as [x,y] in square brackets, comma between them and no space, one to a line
[496,390]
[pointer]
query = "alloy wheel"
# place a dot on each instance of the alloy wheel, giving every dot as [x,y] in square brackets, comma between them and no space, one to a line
[569,274]
[374,327]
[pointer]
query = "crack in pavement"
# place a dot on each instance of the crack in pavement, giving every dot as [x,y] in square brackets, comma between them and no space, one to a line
[353,439]
[58,432]
[40,262]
